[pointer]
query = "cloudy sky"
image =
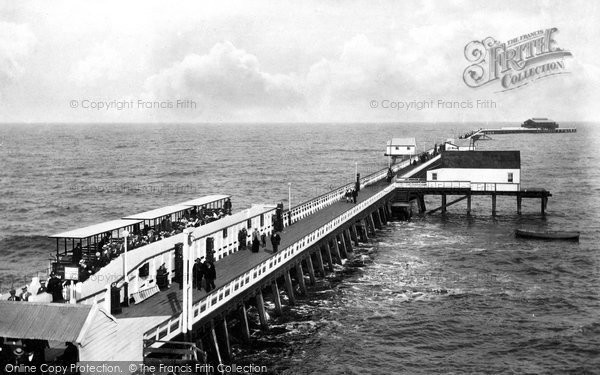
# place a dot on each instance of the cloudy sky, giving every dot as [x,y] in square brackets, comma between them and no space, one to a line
[262,61]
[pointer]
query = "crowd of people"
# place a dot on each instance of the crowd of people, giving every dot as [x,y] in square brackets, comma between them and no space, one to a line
[350,195]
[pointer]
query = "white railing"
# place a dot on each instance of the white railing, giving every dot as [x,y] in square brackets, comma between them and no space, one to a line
[172,326]
[308,208]
[473,186]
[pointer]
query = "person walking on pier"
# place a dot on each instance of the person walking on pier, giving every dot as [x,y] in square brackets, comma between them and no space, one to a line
[354,195]
[242,235]
[275,241]
[210,274]
[255,241]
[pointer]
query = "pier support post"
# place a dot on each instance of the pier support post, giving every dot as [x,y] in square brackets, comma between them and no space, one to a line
[519,202]
[383,215]
[311,270]
[276,297]
[422,207]
[353,234]
[320,262]
[328,256]
[347,240]
[289,287]
[260,306]
[493,204]
[443,203]
[341,245]
[244,322]
[544,204]
[226,338]
[300,275]
[377,220]
[364,231]
[469,204]
[336,251]
[215,341]
[371,224]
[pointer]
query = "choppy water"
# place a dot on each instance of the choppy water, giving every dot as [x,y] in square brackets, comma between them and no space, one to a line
[442,294]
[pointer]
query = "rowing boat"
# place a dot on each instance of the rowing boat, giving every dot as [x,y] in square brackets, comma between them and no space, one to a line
[548,235]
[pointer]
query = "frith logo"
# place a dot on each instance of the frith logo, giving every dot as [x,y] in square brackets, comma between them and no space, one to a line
[515,63]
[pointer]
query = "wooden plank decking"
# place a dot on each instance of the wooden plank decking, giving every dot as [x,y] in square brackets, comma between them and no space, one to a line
[168,302]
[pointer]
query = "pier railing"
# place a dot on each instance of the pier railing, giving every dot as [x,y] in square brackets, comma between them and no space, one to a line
[311,206]
[172,326]
[473,186]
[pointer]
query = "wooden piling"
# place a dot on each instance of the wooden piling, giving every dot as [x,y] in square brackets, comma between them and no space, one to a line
[422,207]
[260,306]
[339,240]
[519,203]
[328,256]
[544,204]
[320,262]
[469,204]
[300,275]
[289,287]
[226,339]
[347,240]
[276,297]
[376,220]
[311,270]
[244,322]
[353,234]
[371,224]
[443,203]
[215,341]
[336,250]
[493,204]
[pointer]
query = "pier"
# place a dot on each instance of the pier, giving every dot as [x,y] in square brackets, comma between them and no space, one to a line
[142,318]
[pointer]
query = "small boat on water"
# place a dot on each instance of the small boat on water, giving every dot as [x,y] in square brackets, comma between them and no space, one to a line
[548,235]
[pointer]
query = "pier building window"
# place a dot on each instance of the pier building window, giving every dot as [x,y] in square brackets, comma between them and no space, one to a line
[225,233]
[434,176]
[249,223]
[262,220]
[510,177]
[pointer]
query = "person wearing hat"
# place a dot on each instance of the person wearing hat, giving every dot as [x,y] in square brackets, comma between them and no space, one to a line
[54,287]
[200,272]
[77,253]
[13,296]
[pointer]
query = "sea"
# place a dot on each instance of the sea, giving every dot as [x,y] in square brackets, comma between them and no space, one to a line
[439,294]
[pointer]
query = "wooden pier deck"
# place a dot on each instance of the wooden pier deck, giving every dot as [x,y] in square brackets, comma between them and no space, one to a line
[168,302]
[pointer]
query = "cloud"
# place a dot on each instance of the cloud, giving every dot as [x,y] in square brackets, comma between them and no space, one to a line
[16,43]
[102,65]
[226,77]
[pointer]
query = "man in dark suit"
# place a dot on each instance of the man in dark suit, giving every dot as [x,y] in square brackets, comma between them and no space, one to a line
[210,274]
[275,241]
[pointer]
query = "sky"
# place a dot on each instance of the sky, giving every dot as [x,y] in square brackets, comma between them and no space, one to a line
[284,61]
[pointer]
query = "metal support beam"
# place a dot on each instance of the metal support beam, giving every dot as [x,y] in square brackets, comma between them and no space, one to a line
[449,204]
[276,297]
[289,287]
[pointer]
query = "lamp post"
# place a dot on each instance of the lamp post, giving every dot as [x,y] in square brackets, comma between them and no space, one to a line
[290,196]
[125,277]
